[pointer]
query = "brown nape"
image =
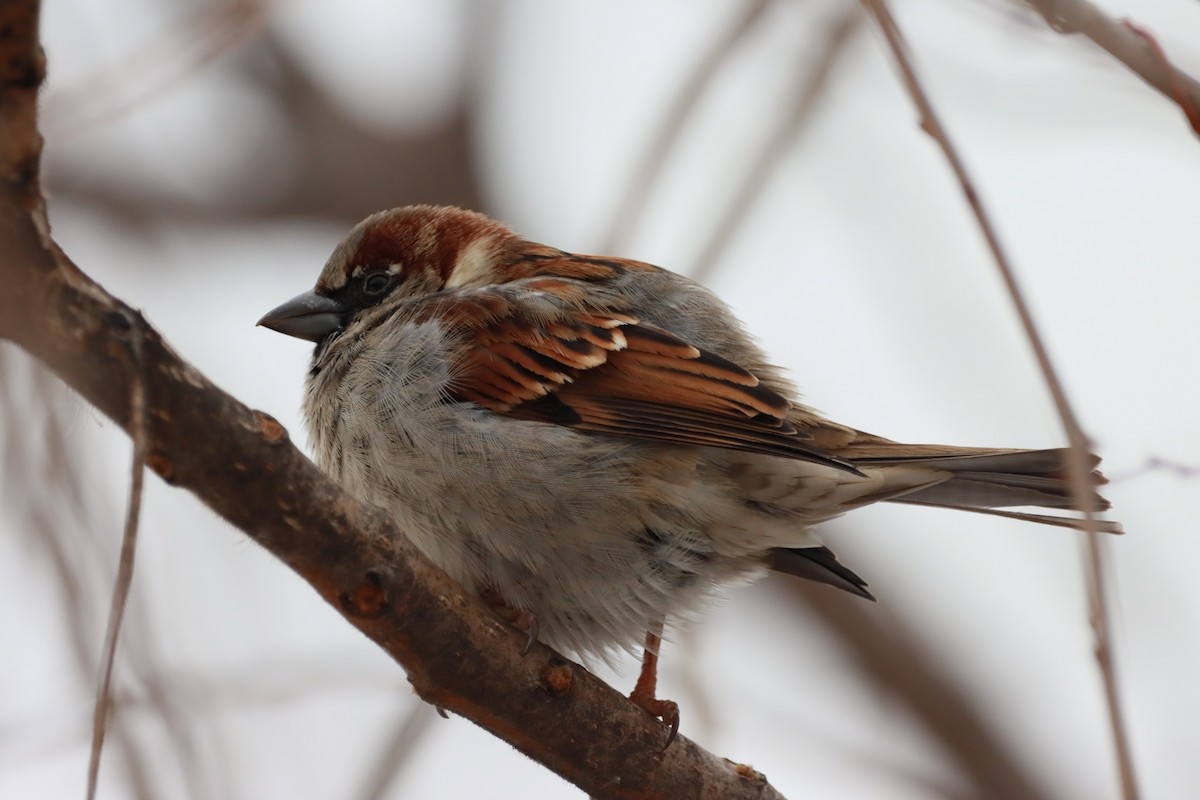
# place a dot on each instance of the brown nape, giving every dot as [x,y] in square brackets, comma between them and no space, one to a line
[817,564]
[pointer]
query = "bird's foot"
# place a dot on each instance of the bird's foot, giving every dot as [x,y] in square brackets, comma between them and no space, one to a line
[665,710]
[643,694]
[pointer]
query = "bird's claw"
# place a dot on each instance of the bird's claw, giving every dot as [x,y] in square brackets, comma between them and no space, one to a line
[527,620]
[665,710]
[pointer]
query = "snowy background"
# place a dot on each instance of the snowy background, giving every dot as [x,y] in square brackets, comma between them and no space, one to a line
[203,159]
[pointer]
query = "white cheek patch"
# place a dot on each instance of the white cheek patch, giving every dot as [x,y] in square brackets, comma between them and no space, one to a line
[474,264]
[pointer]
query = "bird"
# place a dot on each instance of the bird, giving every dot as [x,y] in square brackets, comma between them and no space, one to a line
[592,444]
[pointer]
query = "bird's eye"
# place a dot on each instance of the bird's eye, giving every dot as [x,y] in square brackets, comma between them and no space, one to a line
[377,283]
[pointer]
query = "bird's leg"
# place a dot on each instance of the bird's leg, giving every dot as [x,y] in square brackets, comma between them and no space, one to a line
[647,682]
[519,618]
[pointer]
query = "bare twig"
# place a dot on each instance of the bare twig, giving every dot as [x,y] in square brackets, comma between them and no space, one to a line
[116,614]
[1157,464]
[54,509]
[1077,462]
[1130,45]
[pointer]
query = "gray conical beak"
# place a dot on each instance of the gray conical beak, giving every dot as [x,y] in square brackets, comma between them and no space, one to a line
[307,316]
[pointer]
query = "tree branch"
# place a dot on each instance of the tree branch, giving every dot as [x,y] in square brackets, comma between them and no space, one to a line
[1077,456]
[1130,45]
[241,464]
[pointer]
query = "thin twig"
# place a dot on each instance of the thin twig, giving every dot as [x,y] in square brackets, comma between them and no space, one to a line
[116,614]
[740,199]
[1157,464]
[1077,463]
[398,752]
[646,173]
[47,456]
[1127,43]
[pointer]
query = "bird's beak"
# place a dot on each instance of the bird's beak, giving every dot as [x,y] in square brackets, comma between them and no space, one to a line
[308,316]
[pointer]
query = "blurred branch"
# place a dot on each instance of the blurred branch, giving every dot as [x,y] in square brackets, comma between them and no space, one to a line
[45,458]
[882,646]
[1129,44]
[1154,463]
[348,168]
[341,167]
[1078,466]
[205,34]
[739,200]
[645,174]
[239,462]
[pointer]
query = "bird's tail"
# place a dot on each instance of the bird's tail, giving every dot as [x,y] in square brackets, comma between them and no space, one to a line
[982,481]
[989,481]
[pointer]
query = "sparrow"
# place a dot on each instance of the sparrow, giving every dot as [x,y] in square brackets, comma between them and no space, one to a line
[594,444]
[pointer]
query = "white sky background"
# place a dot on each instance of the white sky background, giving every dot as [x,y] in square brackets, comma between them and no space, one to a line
[858,267]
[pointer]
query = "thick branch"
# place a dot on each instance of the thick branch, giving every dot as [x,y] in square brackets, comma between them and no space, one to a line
[240,463]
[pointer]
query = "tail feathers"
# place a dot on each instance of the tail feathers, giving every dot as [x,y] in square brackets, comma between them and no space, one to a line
[981,481]
[986,480]
[1102,525]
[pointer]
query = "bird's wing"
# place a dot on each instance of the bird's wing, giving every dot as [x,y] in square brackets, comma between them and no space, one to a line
[548,349]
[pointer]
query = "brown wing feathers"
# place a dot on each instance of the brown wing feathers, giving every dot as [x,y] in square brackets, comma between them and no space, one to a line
[607,373]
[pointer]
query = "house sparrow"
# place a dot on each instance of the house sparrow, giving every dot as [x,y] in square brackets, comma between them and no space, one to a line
[593,444]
